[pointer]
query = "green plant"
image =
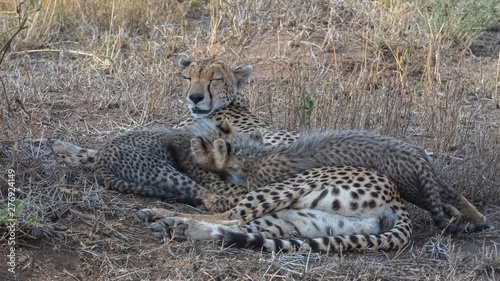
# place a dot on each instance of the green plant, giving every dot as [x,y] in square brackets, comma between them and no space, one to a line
[12,212]
[305,107]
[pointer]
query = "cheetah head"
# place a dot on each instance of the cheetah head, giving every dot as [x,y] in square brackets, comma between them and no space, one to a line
[211,84]
[234,158]
[202,145]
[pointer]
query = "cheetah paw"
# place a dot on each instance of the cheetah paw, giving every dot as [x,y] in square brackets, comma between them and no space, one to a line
[148,215]
[65,152]
[154,214]
[169,228]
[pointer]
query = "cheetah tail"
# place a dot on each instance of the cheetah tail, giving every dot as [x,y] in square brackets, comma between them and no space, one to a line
[454,228]
[396,238]
[429,182]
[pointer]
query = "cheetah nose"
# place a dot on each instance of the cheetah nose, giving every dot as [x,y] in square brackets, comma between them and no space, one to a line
[196,98]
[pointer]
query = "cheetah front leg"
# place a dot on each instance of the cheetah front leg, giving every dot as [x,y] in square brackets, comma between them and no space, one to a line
[160,214]
[180,228]
[252,206]
[68,153]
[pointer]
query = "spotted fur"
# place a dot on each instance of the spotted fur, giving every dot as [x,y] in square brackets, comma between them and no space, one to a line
[322,209]
[157,162]
[246,160]
[212,90]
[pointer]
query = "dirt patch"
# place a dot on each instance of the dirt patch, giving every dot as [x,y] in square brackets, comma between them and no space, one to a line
[37,258]
[488,43]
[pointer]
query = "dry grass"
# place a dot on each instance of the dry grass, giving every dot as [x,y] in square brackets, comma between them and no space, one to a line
[85,70]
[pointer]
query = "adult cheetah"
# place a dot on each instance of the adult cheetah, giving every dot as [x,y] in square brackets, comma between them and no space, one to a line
[244,159]
[428,199]
[322,209]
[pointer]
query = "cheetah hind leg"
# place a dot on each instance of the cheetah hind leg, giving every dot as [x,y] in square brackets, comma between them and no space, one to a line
[67,153]
[469,212]
[451,211]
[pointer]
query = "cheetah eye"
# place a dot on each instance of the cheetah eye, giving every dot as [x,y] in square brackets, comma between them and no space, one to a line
[187,78]
[216,77]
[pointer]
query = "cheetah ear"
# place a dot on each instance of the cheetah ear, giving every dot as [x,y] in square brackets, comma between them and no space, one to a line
[226,128]
[257,135]
[221,148]
[242,74]
[183,63]
[201,153]
[220,154]
[198,147]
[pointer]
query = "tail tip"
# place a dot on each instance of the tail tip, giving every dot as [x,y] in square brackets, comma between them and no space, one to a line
[468,228]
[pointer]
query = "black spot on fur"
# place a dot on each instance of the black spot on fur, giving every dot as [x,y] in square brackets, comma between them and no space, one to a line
[335,205]
[354,195]
[314,245]
[353,238]
[369,242]
[239,240]
[335,191]
[354,206]
[320,197]
[279,245]
[372,204]
[338,240]
[326,240]
[295,244]
[280,230]
[315,225]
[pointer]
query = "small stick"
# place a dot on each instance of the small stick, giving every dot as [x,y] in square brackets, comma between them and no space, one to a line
[495,98]
[62,50]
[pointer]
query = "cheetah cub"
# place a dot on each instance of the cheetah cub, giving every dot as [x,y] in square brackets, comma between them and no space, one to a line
[244,159]
[157,162]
